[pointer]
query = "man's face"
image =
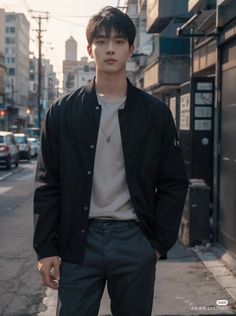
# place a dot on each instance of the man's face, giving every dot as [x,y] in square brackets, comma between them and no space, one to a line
[110,53]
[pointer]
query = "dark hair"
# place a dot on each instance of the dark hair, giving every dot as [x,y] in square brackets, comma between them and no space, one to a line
[111,18]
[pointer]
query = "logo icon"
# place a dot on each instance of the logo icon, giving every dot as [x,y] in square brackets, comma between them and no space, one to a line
[221,302]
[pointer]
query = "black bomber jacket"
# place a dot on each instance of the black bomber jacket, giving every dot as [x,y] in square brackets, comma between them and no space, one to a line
[154,166]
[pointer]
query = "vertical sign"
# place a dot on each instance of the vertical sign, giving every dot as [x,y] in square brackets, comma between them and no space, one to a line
[185,112]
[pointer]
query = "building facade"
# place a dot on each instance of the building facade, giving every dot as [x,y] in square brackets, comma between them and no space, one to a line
[49,88]
[85,72]
[3,112]
[17,65]
[168,65]
[143,42]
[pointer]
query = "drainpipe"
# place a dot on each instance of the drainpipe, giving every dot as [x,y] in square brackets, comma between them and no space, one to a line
[216,136]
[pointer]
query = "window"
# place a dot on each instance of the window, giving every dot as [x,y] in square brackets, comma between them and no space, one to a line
[10,40]
[10,29]
[10,18]
[10,60]
[21,139]
[11,71]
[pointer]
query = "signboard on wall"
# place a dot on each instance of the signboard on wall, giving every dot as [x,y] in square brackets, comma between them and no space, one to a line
[185,112]
[203,105]
[203,98]
[173,107]
[196,127]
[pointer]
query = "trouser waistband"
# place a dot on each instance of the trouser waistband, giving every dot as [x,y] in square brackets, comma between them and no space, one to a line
[114,222]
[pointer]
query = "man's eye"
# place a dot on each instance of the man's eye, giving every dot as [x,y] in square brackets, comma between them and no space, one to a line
[120,41]
[100,41]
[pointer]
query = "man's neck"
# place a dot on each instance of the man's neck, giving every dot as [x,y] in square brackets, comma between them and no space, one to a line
[111,85]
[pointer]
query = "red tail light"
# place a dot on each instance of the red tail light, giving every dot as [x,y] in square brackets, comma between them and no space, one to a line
[4,149]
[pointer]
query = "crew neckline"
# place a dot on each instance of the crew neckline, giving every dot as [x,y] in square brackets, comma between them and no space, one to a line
[118,101]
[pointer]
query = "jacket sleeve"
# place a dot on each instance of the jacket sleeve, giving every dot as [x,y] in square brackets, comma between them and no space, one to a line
[171,189]
[47,188]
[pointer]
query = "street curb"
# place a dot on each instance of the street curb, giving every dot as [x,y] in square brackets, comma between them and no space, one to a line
[214,262]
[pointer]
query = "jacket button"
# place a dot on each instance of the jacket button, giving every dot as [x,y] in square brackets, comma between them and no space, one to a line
[91,146]
[97,108]
[89,172]
[83,231]
[86,208]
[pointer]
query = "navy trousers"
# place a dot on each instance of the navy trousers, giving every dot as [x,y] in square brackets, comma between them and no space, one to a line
[117,252]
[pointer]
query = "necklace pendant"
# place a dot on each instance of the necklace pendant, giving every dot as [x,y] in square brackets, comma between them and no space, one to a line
[108,139]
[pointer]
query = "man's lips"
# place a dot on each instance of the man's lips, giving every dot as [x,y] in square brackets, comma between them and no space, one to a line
[110,60]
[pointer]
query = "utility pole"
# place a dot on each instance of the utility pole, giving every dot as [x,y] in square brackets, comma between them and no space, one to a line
[42,16]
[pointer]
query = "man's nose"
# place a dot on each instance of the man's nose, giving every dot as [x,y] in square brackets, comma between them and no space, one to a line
[110,47]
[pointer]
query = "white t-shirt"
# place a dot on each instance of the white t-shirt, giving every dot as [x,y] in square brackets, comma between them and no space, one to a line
[110,194]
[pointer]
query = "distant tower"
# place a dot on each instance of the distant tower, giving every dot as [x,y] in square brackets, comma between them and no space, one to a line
[70,64]
[71,49]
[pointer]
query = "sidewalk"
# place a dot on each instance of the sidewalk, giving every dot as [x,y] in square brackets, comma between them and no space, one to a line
[184,286]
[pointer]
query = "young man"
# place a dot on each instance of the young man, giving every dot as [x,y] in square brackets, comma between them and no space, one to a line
[110,184]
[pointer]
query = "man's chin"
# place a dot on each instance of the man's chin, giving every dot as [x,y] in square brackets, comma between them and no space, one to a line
[111,70]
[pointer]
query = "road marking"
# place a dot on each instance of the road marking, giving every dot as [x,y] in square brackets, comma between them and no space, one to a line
[6,176]
[5,189]
[16,170]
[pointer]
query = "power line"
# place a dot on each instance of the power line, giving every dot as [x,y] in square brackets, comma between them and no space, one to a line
[25,3]
[62,20]
[72,16]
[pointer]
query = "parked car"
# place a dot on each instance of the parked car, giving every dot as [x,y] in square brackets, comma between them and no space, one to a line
[34,143]
[32,132]
[24,146]
[9,150]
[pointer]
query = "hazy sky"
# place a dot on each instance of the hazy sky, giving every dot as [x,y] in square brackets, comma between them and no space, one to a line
[66,18]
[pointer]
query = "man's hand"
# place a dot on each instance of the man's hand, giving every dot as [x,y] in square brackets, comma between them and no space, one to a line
[45,266]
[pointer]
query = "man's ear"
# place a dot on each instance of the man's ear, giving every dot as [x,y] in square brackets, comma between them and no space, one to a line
[89,50]
[131,50]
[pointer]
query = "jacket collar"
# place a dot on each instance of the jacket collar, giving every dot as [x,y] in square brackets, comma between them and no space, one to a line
[91,96]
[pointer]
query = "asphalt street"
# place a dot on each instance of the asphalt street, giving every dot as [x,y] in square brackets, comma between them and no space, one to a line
[20,290]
